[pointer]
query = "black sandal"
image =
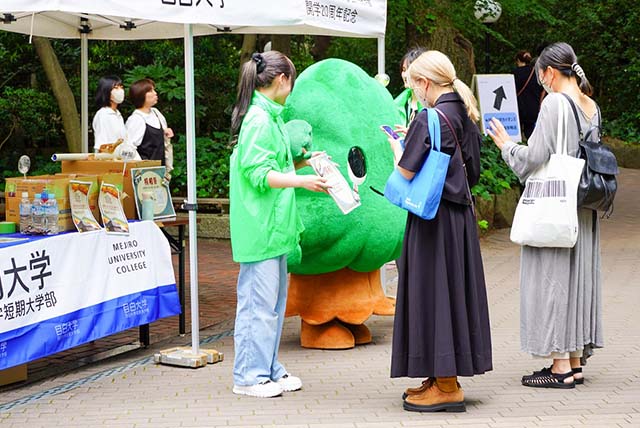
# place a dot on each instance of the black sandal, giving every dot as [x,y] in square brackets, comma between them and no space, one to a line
[545,378]
[579,381]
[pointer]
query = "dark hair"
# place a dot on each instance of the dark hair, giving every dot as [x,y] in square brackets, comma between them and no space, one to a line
[103,94]
[138,91]
[411,56]
[259,72]
[562,57]
[524,56]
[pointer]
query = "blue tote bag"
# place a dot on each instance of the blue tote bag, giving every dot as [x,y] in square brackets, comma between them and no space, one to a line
[421,195]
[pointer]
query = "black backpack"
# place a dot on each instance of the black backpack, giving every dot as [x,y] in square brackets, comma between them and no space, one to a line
[598,183]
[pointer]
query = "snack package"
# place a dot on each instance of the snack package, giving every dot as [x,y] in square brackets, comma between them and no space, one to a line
[346,199]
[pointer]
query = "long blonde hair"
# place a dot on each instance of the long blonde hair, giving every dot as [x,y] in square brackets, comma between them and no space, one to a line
[437,67]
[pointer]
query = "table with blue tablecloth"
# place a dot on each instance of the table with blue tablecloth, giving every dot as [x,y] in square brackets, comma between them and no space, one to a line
[61,291]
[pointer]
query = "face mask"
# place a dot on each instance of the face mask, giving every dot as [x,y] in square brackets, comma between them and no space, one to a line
[546,87]
[117,95]
[421,94]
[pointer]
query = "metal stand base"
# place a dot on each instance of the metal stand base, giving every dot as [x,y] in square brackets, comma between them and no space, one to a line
[182,356]
[213,356]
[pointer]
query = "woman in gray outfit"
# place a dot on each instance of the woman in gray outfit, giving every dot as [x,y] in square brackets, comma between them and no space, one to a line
[560,288]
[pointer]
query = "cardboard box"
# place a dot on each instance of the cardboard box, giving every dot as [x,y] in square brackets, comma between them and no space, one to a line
[102,167]
[12,213]
[59,185]
[13,374]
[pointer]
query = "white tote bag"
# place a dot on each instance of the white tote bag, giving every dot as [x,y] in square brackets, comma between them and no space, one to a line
[547,213]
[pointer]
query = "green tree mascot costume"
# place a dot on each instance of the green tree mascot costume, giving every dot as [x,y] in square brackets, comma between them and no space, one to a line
[335,281]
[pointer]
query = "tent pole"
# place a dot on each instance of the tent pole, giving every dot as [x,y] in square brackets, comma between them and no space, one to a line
[190,203]
[183,356]
[381,53]
[84,90]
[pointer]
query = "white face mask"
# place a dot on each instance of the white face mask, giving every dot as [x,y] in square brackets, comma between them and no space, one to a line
[117,95]
[421,94]
[546,87]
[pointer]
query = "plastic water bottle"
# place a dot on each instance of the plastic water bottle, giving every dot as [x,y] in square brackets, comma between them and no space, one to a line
[51,214]
[147,206]
[37,214]
[25,213]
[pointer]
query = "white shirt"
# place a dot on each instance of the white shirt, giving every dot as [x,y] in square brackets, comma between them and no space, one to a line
[108,127]
[138,121]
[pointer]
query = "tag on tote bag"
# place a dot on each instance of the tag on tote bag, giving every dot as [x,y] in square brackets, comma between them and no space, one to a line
[547,213]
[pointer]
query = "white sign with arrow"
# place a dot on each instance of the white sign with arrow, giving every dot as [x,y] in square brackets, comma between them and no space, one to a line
[497,97]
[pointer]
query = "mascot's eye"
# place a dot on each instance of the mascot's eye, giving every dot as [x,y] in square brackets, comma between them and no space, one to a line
[357,164]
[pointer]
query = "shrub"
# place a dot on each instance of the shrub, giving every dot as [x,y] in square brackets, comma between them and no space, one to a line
[495,174]
[212,166]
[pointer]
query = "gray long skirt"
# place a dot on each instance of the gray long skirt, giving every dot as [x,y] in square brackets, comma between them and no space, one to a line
[441,327]
[561,296]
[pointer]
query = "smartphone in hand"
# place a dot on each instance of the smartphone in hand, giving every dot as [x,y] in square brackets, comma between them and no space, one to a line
[390,132]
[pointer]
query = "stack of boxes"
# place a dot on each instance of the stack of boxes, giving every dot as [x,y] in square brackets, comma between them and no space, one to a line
[112,170]
[95,171]
[57,184]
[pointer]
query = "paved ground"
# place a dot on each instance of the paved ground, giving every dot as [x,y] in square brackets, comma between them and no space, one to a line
[352,389]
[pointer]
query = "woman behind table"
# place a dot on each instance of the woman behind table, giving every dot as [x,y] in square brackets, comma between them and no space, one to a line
[529,92]
[560,288]
[108,125]
[441,327]
[407,101]
[146,127]
[265,225]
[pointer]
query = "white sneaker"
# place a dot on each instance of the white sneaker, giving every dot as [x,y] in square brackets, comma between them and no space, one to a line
[289,383]
[266,389]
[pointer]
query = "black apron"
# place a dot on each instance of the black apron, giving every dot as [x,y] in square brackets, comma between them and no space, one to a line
[152,145]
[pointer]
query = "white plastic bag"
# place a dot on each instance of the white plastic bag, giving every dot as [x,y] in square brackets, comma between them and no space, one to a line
[547,213]
[168,157]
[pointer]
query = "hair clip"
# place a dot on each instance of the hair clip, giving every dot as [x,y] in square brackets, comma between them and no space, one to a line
[578,70]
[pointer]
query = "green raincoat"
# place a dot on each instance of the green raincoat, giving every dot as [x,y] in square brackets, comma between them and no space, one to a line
[264,221]
[402,101]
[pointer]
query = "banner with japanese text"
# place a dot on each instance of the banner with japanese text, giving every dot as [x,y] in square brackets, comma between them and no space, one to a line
[66,290]
[151,19]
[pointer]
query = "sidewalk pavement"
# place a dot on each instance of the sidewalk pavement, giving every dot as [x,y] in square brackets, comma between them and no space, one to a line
[352,388]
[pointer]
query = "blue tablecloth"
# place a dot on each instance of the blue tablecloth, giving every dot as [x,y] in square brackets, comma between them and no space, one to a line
[57,292]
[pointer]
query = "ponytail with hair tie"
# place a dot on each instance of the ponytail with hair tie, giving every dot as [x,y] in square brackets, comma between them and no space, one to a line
[260,62]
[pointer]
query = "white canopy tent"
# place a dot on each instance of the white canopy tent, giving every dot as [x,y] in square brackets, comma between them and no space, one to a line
[162,19]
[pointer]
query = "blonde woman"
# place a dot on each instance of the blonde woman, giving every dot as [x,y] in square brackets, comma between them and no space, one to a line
[441,328]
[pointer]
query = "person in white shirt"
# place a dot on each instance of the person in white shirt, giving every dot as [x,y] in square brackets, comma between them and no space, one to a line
[147,128]
[108,125]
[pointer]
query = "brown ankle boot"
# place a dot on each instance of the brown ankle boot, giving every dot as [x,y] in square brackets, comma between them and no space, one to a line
[444,394]
[418,390]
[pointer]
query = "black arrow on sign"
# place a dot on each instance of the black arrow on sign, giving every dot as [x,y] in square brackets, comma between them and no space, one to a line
[500,96]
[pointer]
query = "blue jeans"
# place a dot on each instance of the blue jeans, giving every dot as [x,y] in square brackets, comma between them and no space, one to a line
[262,298]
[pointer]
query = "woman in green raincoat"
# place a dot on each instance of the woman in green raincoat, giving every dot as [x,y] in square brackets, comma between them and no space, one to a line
[407,101]
[265,225]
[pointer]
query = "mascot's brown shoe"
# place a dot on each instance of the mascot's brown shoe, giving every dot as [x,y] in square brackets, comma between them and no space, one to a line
[443,395]
[426,384]
[331,335]
[361,333]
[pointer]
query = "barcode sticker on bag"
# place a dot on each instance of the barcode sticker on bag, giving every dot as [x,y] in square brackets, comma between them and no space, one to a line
[545,189]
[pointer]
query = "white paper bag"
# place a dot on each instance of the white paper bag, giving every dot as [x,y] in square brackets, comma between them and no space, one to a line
[547,213]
